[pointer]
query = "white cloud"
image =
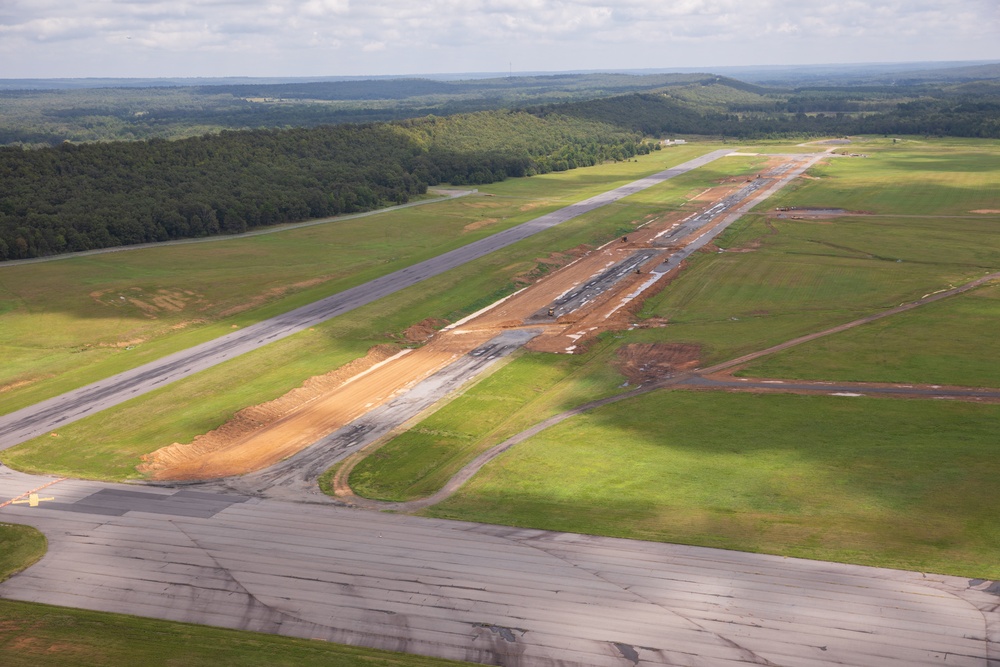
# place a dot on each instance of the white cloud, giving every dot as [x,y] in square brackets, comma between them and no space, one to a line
[298,37]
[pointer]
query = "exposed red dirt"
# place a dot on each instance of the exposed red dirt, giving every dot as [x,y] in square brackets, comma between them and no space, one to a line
[647,362]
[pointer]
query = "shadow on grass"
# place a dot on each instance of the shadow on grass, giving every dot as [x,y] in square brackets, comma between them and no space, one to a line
[872,481]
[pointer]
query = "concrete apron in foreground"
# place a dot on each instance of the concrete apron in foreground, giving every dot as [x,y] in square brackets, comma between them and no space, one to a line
[481,593]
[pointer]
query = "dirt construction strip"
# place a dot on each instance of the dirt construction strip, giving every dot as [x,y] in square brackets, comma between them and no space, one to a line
[695,379]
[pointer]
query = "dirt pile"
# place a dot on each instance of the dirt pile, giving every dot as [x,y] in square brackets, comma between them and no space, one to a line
[422,331]
[642,363]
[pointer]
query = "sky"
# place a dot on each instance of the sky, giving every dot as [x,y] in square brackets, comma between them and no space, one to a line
[311,38]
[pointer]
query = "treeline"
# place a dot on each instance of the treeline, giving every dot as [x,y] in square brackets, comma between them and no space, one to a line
[654,114]
[80,197]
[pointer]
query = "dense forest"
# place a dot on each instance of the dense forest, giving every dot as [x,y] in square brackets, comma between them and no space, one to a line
[79,197]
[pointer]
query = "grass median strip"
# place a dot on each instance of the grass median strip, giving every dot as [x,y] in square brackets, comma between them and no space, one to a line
[20,547]
[35,634]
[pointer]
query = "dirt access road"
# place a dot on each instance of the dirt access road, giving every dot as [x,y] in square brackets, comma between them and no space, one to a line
[596,292]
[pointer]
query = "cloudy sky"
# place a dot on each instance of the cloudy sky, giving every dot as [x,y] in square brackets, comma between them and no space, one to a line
[157,38]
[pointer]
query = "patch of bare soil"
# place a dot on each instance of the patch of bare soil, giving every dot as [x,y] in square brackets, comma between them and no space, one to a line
[987,211]
[479,224]
[647,362]
[270,295]
[546,265]
[150,304]
[17,384]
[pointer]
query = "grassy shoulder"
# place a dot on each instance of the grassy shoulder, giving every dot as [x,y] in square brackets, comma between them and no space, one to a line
[527,390]
[893,483]
[20,548]
[37,634]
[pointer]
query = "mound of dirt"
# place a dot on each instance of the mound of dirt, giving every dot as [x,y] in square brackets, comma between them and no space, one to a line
[642,363]
[422,331]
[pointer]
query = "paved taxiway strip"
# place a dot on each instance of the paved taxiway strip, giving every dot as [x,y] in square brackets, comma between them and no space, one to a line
[838,388]
[56,412]
[483,593]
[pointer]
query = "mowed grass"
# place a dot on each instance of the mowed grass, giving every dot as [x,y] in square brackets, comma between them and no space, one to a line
[20,547]
[66,323]
[895,483]
[912,177]
[38,635]
[949,342]
[110,444]
[797,277]
[527,390]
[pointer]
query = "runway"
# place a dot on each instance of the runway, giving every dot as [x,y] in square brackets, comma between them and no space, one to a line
[489,594]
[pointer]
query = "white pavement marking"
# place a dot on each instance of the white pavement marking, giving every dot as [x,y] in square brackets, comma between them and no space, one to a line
[490,594]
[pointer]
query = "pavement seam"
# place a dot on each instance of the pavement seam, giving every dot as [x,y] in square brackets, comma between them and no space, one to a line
[255,601]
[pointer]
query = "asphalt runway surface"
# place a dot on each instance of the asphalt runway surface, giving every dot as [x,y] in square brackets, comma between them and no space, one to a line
[489,594]
[61,410]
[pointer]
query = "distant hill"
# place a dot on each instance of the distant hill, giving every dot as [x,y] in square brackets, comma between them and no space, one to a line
[952,74]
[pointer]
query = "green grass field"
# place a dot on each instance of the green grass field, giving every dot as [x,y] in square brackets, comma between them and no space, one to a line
[529,389]
[20,547]
[912,177]
[35,635]
[950,342]
[895,483]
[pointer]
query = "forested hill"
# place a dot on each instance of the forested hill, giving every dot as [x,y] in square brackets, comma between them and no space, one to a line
[970,110]
[79,197]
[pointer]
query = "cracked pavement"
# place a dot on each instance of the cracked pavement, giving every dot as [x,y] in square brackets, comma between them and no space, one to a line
[482,593]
